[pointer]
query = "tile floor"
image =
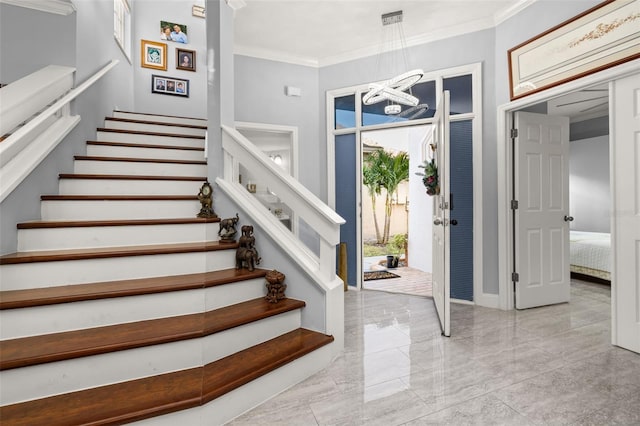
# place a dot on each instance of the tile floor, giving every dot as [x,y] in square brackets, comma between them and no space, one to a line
[546,366]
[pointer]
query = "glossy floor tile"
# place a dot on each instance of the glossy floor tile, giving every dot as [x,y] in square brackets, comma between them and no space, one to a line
[545,366]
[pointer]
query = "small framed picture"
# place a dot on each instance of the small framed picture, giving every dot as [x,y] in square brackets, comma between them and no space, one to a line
[198,11]
[185,59]
[153,55]
[169,85]
[172,31]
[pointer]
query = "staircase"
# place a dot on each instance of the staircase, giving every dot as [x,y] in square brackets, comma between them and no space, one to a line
[121,306]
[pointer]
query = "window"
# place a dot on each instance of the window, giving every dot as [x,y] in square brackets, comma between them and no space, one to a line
[122,26]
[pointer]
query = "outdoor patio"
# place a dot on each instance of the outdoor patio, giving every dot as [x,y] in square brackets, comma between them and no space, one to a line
[410,281]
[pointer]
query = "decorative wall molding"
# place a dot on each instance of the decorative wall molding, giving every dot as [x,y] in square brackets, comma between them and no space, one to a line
[59,7]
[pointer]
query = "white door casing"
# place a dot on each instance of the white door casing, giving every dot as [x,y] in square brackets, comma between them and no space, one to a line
[624,136]
[542,217]
[441,215]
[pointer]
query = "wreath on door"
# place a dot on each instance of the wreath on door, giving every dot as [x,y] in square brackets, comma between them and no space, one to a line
[430,177]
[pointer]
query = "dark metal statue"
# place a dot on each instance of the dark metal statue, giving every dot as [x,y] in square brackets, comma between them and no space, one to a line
[275,286]
[205,196]
[227,231]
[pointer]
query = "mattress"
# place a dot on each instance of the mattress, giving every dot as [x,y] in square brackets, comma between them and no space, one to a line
[590,253]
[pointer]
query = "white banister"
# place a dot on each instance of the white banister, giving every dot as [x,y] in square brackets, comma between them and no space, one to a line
[29,144]
[320,217]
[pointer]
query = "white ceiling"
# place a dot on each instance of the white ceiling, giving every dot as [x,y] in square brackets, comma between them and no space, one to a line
[324,32]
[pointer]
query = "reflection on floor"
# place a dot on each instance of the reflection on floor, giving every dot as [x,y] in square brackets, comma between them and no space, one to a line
[411,281]
[550,365]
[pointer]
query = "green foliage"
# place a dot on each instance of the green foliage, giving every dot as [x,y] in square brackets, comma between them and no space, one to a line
[396,244]
[371,250]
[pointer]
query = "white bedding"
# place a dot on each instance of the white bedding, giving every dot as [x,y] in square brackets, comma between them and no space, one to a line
[590,251]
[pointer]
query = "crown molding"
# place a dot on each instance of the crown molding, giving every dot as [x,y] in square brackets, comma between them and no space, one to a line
[502,16]
[272,55]
[59,7]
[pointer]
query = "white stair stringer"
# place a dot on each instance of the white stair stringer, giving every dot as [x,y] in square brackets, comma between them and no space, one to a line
[144,152]
[106,136]
[238,401]
[79,315]
[128,186]
[160,118]
[85,237]
[117,209]
[71,375]
[68,272]
[150,126]
[138,168]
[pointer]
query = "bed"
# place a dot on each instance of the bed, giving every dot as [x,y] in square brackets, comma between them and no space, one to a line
[590,255]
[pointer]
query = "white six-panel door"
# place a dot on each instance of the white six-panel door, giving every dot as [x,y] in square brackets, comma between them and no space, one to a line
[625,177]
[542,216]
[440,229]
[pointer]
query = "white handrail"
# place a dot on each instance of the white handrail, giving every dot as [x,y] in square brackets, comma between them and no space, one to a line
[53,109]
[27,146]
[320,217]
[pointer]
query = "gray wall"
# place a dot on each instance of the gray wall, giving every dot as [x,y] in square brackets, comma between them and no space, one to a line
[30,40]
[590,194]
[260,97]
[147,17]
[85,40]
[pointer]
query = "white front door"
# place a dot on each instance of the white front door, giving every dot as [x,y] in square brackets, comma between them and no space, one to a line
[541,184]
[625,177]
[440,229]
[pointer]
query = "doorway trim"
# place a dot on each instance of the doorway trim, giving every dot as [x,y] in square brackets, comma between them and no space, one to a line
[475,70]
[505,167]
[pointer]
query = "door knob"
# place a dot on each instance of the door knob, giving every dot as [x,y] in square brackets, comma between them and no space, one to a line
[568,218]
[437,221]
[454,222]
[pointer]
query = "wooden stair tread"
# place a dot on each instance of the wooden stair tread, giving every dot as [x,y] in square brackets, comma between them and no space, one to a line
[44,224]
[158,123]
[138,132]
[162,394]
[12,299]
[141,145]
[118,197]
[106,252]
[26,351]
[204,120]
[137,160]
[129,177]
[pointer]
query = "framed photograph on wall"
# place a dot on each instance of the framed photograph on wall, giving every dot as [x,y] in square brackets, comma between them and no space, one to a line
[169,85]
[172,31]
[602,37]
[153,55]
[185,59]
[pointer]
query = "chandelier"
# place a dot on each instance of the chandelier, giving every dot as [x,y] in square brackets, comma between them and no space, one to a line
[394,90]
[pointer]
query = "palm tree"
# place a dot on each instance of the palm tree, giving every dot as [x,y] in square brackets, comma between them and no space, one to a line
[395,171]
[371,178]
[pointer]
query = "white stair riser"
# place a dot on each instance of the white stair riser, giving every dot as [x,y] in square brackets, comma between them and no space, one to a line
[118,209]
[128,187]
[55,378]
[238,401]
[155,128]
[49,274]
[143,152]
[138,168]
[103,136]
[114,236]
[57,318]
[160,118]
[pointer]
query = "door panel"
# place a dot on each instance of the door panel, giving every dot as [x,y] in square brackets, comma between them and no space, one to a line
[625,171]
[441,216]
[542,190]
[346,196]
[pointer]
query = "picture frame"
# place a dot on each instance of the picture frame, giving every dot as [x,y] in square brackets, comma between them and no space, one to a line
[165,85]
[153,55]
[602,37]
[173,31]
[185,59]
[198,11]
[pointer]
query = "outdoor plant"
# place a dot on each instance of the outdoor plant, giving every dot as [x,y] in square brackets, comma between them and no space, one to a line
[430,177]
[396,244]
